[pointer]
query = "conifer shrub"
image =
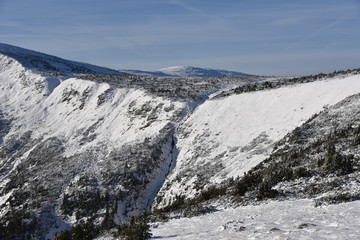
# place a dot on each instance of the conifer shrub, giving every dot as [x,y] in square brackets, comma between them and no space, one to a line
[246,183]
[212,192]
[137,229]
[82,231]
[301,172]
[177,204]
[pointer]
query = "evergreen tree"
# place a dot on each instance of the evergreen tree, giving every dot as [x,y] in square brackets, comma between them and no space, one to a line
[137,229]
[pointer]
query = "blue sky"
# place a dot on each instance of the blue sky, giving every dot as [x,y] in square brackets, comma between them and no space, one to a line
[254,36]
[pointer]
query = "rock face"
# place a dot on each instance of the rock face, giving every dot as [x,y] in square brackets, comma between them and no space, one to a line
[83,144]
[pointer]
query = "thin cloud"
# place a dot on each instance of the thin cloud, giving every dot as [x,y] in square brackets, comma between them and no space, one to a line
[321,30]
[186,6]
[215,19]
[183,32]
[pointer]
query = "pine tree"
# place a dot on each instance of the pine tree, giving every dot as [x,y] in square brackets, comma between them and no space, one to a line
[137,229]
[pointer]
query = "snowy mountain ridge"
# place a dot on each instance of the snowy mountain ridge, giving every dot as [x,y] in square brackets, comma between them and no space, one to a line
[48,63]
[95,149]
[188,71]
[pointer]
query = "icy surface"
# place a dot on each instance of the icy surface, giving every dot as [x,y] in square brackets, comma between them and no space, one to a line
[274,220]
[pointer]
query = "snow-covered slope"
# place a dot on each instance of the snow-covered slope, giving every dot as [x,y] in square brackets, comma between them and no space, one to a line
[72,148]
[188,71]
[226,137]
[68,138]
[47,63]
[318,161]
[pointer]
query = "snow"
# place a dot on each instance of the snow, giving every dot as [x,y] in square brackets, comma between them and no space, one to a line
[274,220]
[188,71]
[174,69]
[181,71]
[44,112]
[221,138]
[86,116]
[234,134]
[26,57]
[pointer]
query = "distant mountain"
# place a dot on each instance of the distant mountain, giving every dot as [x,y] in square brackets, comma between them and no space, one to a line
[150,73]
[199,72]
[47,63]
[187,71]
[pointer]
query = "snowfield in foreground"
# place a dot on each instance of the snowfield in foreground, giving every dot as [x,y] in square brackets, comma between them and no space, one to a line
[275,220]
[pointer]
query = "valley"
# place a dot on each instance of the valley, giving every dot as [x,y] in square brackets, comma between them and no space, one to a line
[82,145]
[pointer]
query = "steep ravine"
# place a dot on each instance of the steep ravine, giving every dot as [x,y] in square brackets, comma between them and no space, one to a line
[75,150]
[78,150]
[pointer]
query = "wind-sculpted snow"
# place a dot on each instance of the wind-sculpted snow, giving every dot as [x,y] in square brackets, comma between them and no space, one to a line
[227,137]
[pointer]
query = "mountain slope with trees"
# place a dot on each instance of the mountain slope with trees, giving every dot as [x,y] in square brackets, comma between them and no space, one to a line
[89,150]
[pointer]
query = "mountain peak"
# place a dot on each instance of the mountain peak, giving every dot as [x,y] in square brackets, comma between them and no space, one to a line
[175,68]
[188,71]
